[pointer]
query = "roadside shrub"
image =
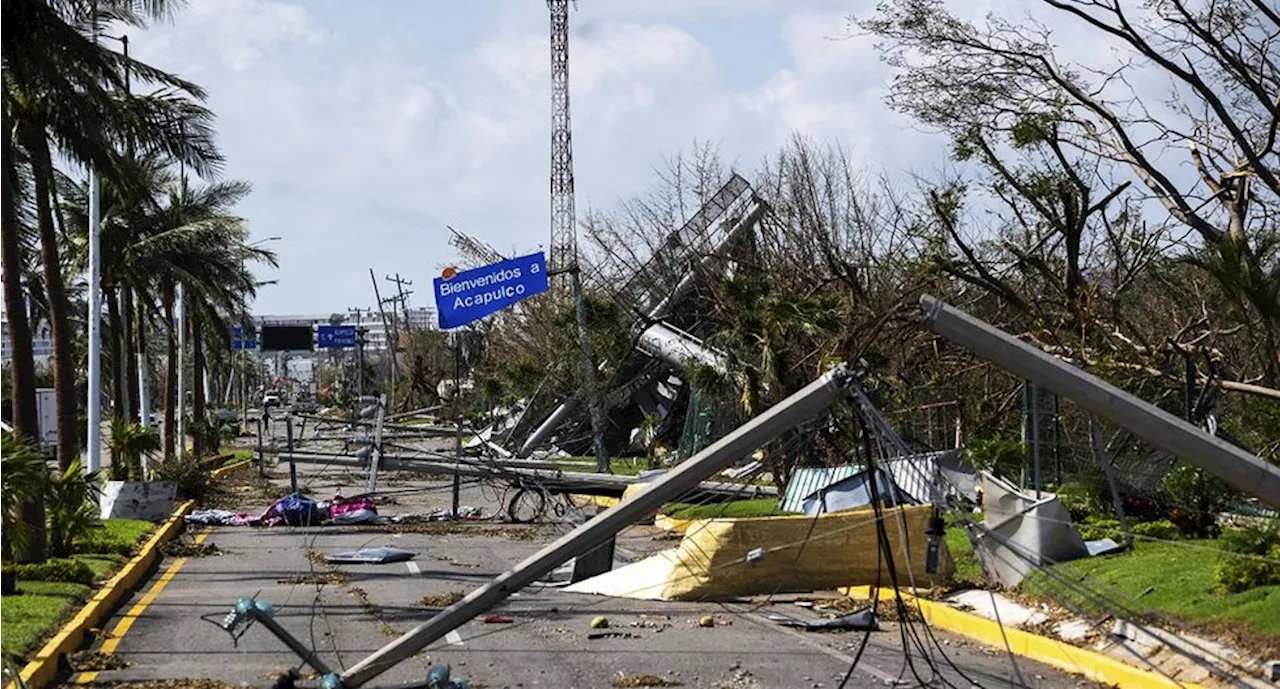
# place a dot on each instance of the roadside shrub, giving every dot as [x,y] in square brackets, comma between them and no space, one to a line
[193,480]
[132,442]
[71,500]
[1086,495]
[69,571]
[1001,457]
[1199,496]
[99,544]
[1258,539]
[1252,557]
[1243,573]
[1162,529]
[1096,528]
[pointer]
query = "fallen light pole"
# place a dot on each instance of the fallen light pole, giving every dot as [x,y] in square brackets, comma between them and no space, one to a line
[803,406]
[526,473]
[1238,468]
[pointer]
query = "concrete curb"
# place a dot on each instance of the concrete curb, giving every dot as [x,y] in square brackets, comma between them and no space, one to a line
[223,471]
[672,524]
[597,500]
[44,667]
[1052,652]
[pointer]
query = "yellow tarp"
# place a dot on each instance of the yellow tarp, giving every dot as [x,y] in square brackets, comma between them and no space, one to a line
[804,554]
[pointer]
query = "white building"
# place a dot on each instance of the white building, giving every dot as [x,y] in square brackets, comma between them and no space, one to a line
[41,342]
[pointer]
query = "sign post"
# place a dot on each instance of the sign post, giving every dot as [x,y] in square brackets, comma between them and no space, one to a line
[469,296]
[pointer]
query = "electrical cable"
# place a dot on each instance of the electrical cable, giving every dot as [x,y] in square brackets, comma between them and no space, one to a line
[882,537]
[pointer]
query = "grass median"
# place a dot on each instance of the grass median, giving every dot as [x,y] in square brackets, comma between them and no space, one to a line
[40,607]
[1173,578]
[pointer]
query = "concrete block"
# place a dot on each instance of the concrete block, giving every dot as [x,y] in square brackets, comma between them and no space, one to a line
[149,500]
[1010,613]
[1073,630]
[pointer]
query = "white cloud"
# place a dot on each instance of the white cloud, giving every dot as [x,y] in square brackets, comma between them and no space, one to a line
[361,150]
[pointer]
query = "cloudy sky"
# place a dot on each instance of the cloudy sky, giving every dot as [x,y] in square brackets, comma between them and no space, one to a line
[366,127]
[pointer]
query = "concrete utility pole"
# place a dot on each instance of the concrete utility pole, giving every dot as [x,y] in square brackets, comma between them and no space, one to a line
[812,400]
[94,374]
[359,353]
[400,283]
[181,299]
[390,334]
[1243,471]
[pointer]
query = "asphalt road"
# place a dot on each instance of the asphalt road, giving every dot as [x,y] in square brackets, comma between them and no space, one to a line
[347,612]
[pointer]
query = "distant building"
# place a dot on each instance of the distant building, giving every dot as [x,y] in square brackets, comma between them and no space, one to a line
[41,342]
[369,320]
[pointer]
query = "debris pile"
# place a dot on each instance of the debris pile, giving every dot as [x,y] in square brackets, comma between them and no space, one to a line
[296,509]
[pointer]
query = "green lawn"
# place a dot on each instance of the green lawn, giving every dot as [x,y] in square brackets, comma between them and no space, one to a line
[756,507]
[40,606]
[1179,575]
[35,612]
[622,466]
[102,564]
[1181,583]
[125,531]
[238,456]
[968,572]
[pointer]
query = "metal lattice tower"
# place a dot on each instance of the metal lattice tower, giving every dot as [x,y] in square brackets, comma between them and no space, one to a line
[564,234]
[564,228]
[473,250]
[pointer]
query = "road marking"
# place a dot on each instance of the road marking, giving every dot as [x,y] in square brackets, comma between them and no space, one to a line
[865,667]
[413,568]
[126,623]
[453,637]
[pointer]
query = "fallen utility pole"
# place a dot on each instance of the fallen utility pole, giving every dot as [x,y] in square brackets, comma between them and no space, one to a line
[529,472]
[420,429]
[803,406]
[1241,470]
[375,457]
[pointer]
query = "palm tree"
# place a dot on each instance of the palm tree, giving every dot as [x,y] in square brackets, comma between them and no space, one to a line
[22,476]
[60,85]
[771,332]
[210,258]
[183,234]
[36,144]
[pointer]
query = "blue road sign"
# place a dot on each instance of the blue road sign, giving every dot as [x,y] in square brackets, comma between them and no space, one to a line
[335,336]
[473,294]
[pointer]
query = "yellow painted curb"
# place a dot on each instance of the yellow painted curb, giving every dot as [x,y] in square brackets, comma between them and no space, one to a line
[44,667]
[1073,659]
[126,623]
[224,470]
[598,500]
[672,524]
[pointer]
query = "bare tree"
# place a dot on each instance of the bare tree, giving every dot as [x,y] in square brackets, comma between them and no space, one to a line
[1218,116]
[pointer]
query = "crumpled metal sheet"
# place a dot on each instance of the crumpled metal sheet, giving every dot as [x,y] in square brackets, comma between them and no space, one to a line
[1023,531]
[370,556]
